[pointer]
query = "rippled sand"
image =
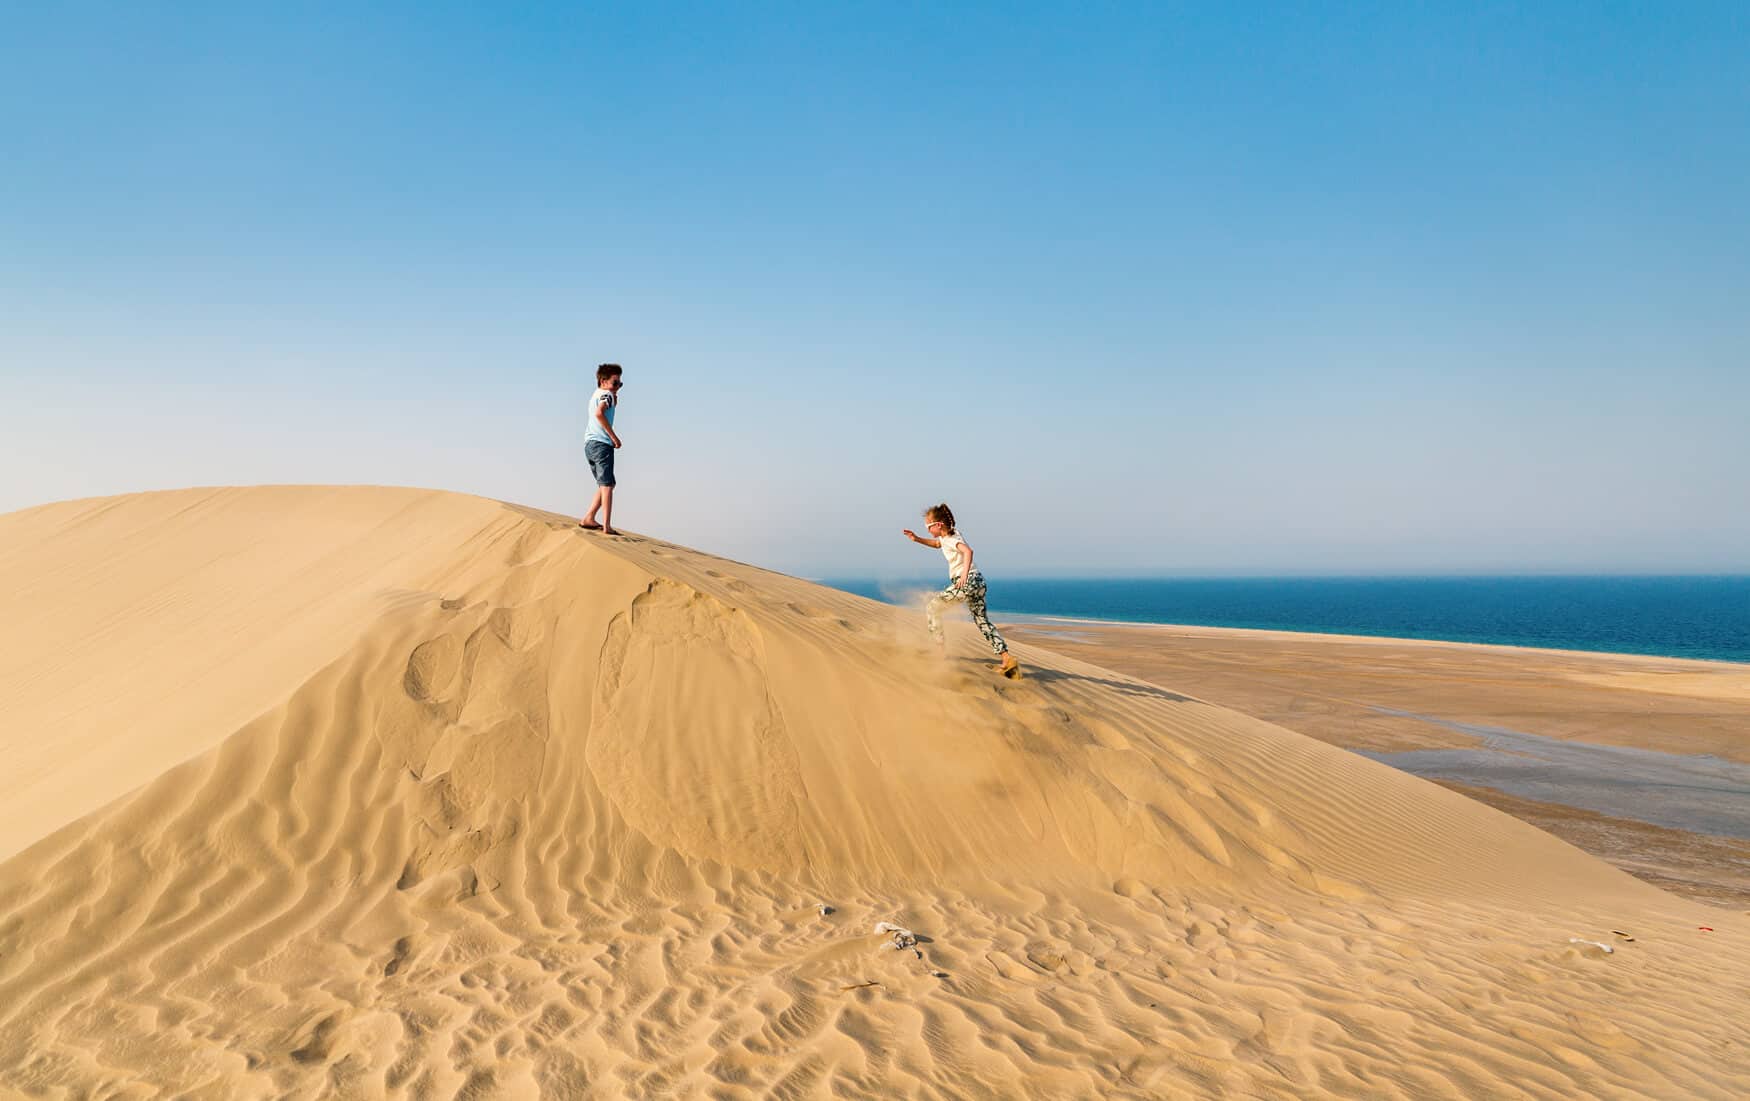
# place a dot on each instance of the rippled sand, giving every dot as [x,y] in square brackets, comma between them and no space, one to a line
[1635,720]
[365,792]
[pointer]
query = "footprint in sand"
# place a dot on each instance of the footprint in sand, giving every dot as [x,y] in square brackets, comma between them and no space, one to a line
[728,582]
[1132,888]
[321,1042]
[398,956]
[822,615]
[432,667]
[512,627]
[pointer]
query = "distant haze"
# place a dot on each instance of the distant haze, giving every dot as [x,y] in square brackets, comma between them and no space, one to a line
[1135,290]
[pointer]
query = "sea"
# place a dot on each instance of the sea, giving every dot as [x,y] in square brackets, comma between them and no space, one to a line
[1686,617]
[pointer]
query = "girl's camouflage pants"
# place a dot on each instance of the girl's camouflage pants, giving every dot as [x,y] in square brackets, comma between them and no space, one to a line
[973,594]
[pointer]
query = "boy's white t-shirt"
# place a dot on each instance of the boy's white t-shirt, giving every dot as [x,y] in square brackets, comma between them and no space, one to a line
[605,400]
[952,546]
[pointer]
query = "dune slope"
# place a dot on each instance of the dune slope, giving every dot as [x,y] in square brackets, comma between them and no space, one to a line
[375,792]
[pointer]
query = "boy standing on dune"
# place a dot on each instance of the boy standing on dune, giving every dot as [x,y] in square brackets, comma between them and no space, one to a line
[599,443]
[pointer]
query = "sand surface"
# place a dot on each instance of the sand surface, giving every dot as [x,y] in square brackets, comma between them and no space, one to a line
[1394,696]
[1340,688]
[355,792]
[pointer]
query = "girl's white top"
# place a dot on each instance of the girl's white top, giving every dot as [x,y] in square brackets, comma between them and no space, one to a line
[953,548]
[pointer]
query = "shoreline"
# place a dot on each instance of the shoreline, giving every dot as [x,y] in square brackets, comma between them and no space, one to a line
[1031,619]
[1436,709]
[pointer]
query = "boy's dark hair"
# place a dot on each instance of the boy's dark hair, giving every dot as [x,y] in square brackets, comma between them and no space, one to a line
[943,513]
[605,372]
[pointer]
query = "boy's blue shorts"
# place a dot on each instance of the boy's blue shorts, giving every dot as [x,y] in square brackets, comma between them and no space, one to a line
[601,461]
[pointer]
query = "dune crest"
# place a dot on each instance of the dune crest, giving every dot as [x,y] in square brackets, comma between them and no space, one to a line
[381,792]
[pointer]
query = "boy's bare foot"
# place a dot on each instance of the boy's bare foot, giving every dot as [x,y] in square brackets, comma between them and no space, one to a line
[589,525]
[1010,667]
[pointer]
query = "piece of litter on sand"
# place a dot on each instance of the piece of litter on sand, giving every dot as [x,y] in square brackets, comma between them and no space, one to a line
[902,937]
[1705,928]
[860,985]
[1623,935]
[824,909]
[939,974]
[1591,943]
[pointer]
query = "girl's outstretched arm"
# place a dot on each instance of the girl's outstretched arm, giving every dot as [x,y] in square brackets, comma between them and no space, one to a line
[914,537]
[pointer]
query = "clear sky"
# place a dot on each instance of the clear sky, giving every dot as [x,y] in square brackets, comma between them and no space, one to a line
[1140,288]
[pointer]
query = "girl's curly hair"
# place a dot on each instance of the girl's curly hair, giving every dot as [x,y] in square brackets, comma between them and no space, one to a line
[943,513]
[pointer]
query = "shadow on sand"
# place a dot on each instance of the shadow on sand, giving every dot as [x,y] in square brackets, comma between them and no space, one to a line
[1128,687]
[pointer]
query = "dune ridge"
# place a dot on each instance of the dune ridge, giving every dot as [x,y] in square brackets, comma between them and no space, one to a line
[379,792]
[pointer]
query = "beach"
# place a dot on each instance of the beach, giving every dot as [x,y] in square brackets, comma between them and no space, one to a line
[1398,697]
[372,792]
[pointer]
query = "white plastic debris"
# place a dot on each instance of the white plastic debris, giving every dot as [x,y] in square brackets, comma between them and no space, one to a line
[824,909]
[902,938]
[1591,944]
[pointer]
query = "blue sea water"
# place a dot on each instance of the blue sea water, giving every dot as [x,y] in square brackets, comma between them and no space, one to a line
[1687,617]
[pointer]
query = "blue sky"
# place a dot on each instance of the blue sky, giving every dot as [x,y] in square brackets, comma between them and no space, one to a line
[1137,288]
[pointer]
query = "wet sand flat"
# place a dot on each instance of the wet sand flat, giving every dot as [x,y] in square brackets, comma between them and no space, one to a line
[1443,710]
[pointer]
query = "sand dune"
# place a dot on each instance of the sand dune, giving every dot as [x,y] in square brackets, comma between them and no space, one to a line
[368,792]
[1376,695]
